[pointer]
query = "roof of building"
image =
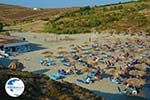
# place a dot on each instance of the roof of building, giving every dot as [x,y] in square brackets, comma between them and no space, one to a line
[10,39]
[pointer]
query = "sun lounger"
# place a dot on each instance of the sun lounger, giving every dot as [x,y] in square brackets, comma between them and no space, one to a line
[73,52]
[79,72]
[87,53]
[133,91]
[85,80]
[47,62]
[62,72]
[117,81]
[124,76]
[64,59]
[67,65]
[59,57]
[91,74]
[56,76]
[50,63]
[81,60]
[122,91]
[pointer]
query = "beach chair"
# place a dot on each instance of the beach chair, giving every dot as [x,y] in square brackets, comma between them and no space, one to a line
[73,52]
[79,72]
[62,72]
[41,61]
[133,90]
[91,74]
[117,81]
[85,81]
[81,60]
[124,75]
[122,91]
[50,62]
[64,59]
[59,57]
[56,76]
[87,53]
[94,45]
[66,65]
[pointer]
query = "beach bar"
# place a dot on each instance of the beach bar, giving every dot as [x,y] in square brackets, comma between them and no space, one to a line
[10,45]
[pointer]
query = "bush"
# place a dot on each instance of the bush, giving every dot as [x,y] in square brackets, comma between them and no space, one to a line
[66,31]
[85,8]
[1,26]
[110,18]
[94,22]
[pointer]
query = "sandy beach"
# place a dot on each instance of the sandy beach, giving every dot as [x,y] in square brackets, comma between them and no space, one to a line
[51,42]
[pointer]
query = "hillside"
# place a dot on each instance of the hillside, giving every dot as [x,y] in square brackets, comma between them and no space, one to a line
[12,15]
[40,87]
[131,17]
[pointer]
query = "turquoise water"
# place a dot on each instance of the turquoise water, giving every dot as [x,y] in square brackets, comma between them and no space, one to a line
[60,3]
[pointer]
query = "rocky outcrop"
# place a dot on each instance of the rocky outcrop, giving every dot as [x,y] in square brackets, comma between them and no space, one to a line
[40,87]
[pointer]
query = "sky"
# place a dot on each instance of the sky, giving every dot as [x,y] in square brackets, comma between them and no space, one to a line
[59,3]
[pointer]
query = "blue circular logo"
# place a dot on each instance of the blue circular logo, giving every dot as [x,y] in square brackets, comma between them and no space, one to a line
[14,87]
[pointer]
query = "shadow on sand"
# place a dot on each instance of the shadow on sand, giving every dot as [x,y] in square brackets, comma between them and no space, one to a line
[41,71]
[5,62]
[109,96]
[36,47]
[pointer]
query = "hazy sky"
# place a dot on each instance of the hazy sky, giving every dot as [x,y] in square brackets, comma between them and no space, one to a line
[59,3]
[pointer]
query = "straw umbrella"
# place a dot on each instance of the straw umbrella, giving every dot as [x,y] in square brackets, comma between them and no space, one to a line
[63,52]
[47,52]
[72,45]
[47,56]
[136,82]
[113,72]
[60,48]
[137,73]
[141,67]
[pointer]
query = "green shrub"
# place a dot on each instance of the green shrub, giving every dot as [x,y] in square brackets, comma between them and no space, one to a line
[94,21]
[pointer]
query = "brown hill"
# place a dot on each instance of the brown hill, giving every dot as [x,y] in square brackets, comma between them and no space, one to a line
[11,14]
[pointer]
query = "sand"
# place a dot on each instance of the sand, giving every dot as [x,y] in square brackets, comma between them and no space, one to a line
[50,42]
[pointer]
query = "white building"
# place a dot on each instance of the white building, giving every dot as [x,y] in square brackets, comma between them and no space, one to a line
[35,8]
[12,44]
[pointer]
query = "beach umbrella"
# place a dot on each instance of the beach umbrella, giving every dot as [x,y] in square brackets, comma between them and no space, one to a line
[85,70]
[113,72]
[85,57]
[63,52]
[84,45]
[87,43]
[141,67]
[60,48]
[102,65]
[137,73]
[47,52]
[47,56]
[136,82]
[72,45]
